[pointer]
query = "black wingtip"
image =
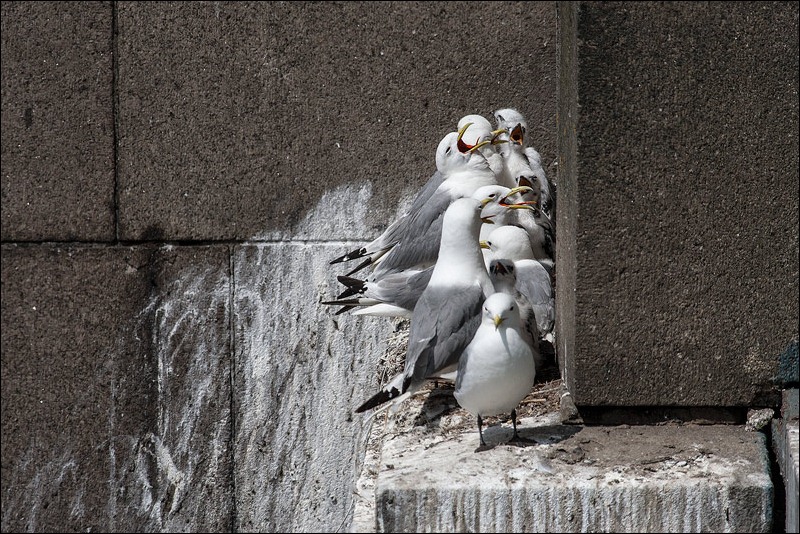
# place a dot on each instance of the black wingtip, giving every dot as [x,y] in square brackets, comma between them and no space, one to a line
[340,302]
[378,399]
[360,266]
[384,395]
[354,286]
[353,254]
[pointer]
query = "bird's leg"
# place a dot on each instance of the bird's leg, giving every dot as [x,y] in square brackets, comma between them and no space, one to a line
[514,422]
[484,446]
[516,439]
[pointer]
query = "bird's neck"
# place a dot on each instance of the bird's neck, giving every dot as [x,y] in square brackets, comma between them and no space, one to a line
[460,258]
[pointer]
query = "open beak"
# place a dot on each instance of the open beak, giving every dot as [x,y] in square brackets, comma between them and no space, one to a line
[524,181]
[521,206]
[495,136]
[517,134]
[479,145]
[462,146]
[514,191]
[487,220]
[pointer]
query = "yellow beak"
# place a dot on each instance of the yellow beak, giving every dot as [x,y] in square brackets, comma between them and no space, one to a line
[482,143]
[497,320]
[484,244]
[519,207]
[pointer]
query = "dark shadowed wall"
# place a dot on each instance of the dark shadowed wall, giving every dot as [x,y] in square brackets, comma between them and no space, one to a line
[175,178]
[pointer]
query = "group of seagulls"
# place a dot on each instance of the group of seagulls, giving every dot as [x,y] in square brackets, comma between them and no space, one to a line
[471,263]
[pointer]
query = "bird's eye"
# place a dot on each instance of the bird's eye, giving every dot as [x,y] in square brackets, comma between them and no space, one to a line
[493,195]
[447,151]
[512,308]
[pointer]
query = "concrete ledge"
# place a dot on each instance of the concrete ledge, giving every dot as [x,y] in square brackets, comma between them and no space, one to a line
[672,478]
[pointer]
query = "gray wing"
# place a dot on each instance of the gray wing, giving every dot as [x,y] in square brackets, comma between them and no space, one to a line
[395,231]
[402,288]
[444,322]
[533,282]
[408,223]
[426,192]
[462,363]
[418,239]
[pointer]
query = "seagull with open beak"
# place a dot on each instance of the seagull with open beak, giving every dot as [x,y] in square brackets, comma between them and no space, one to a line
[459,171]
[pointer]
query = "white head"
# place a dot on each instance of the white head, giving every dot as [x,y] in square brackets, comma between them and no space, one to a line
[453,155]
[492,199]
[462,213]
[514,122]
[478,130]
[509,242]
[500,309]
[526,177]
[478,120]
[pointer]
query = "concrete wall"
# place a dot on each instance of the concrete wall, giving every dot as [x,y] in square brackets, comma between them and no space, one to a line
[678,208]
[175,178]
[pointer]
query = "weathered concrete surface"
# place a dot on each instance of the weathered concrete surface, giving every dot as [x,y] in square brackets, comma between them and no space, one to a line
[671,478]
[57,118]
[115,389]
[786,442]
[299,373]
[678,201]
[232,127]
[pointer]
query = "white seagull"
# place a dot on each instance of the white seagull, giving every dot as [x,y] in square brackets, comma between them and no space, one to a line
[503,274]
[447,313]
[531,278]
[539,228]
[522,161]
[480,130]
[395,293]
[453,156]
[496,370]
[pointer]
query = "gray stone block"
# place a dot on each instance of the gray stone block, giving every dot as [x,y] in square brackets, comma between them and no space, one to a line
[57,122]
[300,372]
[115,389]
[678,209]
[687,478]
[235,119]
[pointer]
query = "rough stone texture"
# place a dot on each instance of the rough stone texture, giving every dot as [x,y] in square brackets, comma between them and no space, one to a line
[427,477]
[122,406]
[786,442]
[299,373]
[234,118]
[115,389]
[679,212]
[57,118]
